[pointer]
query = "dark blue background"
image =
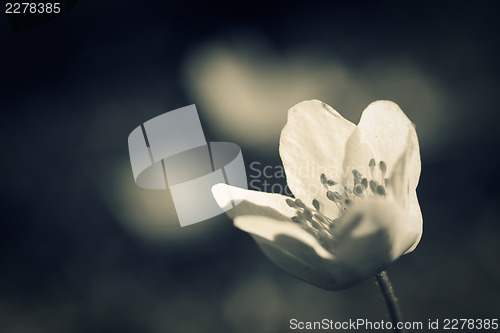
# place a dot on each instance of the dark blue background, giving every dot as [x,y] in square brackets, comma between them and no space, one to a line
[67,264]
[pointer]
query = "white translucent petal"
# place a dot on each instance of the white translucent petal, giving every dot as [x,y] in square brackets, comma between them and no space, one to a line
[370,237]
[311,143]
[252,202]
[386,128]
[402,190]
[358,154]
[272,229]
[415,221]
[292,249]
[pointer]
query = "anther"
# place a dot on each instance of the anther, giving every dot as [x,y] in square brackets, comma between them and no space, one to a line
[337,196]
[380,190]
[291,203]
[316,204]
[334,196]
[347,202]
[359,189]
[356,174]
[383,168]
[297,219]
[331,182]
[308,214]
[372,163]
[364,182]
[323,179]
[299,203]
[373,186]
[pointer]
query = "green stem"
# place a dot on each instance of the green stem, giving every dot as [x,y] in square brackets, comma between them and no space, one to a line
[390,299]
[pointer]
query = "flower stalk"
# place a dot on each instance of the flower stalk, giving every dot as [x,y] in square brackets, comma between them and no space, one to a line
[390,300]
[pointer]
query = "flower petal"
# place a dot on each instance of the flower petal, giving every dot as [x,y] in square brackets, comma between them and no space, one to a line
[272,230]
[247,202]
[386,128]
[267,217]
[415,221]
[403,191]
[311,143]
[370,237]
[357,156]
[291,248]
[367,240]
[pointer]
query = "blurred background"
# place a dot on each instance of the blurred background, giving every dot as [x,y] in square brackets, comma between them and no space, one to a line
[83,249]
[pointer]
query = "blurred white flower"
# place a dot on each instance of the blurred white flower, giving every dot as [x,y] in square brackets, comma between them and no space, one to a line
[356,208]
[245,85]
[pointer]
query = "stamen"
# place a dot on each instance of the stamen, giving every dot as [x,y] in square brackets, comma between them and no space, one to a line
[337,195]
[307,217]
[372,163]
[356,174]
[299,203]
[383,168]
[320,218]
[325,235]
[316,204]
[315,224]
[308,214]
[380,190]
[359,189]
[331,182]
[387,183]
[347,190]
[323,179]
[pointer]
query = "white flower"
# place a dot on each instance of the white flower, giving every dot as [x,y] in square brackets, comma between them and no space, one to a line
[356,208]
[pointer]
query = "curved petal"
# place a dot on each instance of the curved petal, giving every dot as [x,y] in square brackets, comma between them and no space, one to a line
[291,248]
[248,202]
[271,230]
[386,128]
[402,189]
[358,154]
[415,220]
[369,238]
[311,143]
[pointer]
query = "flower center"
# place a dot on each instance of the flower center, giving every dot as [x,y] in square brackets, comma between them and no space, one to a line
[363,187]
[343,195]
